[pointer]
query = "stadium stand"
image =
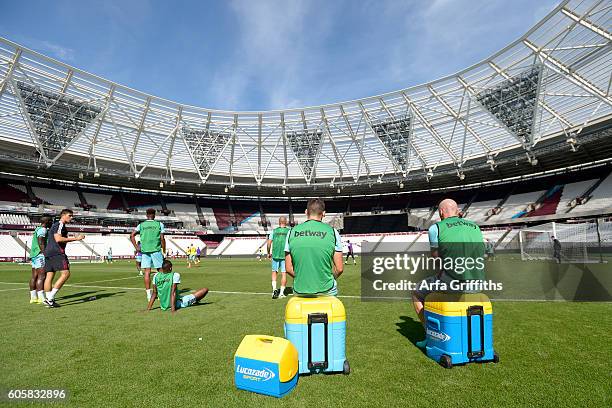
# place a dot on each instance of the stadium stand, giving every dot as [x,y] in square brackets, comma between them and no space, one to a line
[182,242]
[516,205]
[120,244]
[571,191]
[546,205]
[600,199]
[98,200]
[14,219]
[59,197]
[11,194]
[243,246]
[479,211]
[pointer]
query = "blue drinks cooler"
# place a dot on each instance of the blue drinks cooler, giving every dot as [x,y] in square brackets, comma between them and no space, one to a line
[459,328]
[316,326]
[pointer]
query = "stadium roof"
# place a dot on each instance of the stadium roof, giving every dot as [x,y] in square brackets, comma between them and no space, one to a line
[551,83]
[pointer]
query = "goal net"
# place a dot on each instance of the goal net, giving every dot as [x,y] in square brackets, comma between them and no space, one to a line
[538,242]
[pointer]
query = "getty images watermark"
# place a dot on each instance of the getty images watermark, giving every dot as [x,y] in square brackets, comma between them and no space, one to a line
[394,271]
[416,264]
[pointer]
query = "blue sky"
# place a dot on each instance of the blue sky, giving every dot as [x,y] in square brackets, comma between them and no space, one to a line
[267,54]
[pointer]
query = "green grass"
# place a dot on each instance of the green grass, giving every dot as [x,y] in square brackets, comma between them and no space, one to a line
[108,352]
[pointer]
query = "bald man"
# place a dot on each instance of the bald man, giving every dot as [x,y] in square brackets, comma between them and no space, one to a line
[276,242]
[451,238]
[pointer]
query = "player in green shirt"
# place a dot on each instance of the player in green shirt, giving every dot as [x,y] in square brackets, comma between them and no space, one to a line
[37,259]
[165,287]
[452,238]
[152,246]
[276,242]
[313,253]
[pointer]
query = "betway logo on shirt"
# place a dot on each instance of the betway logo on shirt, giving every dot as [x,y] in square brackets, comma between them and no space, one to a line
[255,374]
[307,233]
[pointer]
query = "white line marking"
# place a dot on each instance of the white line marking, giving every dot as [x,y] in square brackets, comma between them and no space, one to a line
[116,279]
[269,294]
[6,290]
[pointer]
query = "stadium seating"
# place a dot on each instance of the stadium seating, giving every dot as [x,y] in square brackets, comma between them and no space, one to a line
[58,197]
[572,191]
[478,211]
[187,213]
[78,250]
[548,204]
[13,194]
[181,242]
[100,201]
[600,199]
[120,244]
[552,197]
[11,248]
[421,212]
[243,246]
[14,219]
[516,205]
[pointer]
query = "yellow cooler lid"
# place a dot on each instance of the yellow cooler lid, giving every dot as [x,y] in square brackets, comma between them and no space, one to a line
[298,309]
[273,350]
[455,304]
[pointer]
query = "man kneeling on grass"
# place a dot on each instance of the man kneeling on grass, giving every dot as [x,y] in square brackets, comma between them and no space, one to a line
[165,286]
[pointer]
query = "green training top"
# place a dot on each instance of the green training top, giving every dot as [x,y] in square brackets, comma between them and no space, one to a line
[312,245]
[460,238]
[35,248]
[150,235]
[163,282]
[278,237]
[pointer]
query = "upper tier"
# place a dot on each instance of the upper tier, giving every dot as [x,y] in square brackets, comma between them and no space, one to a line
[546,85]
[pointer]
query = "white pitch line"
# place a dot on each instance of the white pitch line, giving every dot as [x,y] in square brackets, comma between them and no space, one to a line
[268,294]
[116,279]
[6,290]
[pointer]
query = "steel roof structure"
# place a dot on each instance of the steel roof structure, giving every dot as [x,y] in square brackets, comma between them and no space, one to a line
[552,82]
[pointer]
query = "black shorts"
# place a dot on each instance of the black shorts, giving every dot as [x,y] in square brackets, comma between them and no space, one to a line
[57,263]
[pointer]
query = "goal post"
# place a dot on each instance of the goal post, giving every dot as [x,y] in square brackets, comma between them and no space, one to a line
[573,241]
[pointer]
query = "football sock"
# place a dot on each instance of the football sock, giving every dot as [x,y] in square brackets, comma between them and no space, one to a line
[41,294]
[51,295]
[273,285]
[149,292]
[32,294]
[282,290]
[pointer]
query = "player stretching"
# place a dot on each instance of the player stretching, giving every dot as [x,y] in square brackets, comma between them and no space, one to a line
[276,240]
[37,258]
[349,245]
[152,246]
[55,256]
[165,286]
[138,257]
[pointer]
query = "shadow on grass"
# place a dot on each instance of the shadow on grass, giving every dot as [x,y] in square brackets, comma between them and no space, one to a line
[411,329]
[87,298]
[75,295]
[201,304]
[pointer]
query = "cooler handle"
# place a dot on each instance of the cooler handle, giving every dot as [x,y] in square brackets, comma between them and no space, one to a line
[314,318]
[475,310]
[435,322]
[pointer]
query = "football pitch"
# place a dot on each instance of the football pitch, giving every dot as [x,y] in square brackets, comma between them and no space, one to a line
[108,352]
